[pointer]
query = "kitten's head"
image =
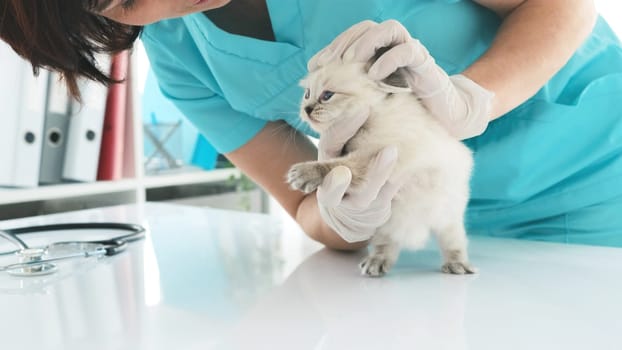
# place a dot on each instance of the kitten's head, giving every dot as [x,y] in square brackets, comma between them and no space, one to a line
[333,89]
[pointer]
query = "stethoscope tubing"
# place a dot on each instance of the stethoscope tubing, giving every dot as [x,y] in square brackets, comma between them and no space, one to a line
[105,247]
[137,230]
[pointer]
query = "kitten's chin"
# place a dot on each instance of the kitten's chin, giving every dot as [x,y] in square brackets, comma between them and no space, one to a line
[313,123]
[316,126]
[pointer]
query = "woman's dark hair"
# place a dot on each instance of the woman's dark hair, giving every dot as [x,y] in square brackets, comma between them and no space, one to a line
[63,36]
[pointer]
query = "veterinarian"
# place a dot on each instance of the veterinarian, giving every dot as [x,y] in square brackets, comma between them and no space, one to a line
[532,86]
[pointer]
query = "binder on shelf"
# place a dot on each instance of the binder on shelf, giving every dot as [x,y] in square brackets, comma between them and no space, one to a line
[129,140]
[113,146]
[54,131]
[22,111]
[85,129]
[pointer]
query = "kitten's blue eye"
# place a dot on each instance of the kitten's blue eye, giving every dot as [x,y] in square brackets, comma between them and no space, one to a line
[326,95]
[307,94]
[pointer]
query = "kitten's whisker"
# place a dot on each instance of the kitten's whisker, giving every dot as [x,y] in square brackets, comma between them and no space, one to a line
[279,128]
[290,138]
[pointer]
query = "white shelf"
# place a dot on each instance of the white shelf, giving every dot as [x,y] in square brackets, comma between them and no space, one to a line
[61,191]
[189,178]
[17,202]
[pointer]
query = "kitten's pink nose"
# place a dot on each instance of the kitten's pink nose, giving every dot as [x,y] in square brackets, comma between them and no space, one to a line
[308,110]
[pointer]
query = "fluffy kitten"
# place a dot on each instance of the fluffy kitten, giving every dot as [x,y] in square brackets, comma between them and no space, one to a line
[433,166]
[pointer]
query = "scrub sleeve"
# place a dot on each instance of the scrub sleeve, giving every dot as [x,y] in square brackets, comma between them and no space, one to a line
[549,170]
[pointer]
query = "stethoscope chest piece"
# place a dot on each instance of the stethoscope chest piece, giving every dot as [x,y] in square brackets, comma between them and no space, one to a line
[31,263]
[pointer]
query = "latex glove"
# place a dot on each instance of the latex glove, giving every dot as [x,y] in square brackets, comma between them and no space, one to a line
[459,103]
[355,212]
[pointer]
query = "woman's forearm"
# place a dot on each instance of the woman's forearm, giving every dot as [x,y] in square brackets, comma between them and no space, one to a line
[308,217]
[535,40]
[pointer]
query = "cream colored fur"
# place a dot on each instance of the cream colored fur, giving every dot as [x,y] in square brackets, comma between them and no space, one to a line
[433,168]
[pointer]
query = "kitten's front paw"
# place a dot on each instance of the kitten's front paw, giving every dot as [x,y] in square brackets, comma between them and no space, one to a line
[305,177]
[458,268]
[375,265]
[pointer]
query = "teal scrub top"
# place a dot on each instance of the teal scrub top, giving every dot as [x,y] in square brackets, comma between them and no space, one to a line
[538,169]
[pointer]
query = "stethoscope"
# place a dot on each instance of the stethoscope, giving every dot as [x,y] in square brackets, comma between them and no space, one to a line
[36,261]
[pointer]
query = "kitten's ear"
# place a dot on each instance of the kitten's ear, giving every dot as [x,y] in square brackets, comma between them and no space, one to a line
[390,89]
[394,83]
[396,79]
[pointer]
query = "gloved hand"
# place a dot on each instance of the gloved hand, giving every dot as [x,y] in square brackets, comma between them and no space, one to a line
[459,103]
[355,212]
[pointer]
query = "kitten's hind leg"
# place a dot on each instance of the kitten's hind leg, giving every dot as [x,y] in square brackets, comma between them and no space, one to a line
[382,256]
[453,243]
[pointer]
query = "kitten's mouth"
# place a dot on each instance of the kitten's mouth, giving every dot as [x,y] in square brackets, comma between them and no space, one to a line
[312,119]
